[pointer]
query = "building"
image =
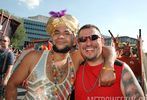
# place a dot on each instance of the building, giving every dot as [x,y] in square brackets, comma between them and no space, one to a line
[40,18]
[121,39]
[35,28]
[107,40]
[8,24]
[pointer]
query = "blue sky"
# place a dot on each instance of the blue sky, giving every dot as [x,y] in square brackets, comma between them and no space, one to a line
[123,17]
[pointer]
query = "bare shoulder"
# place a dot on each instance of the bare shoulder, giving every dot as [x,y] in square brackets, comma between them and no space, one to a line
[33,54]
[32,58]
[127,69]
[76,54]
[76,58]
[25,67]
[130,85]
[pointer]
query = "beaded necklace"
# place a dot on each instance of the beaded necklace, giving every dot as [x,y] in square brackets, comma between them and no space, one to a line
[58,71]
[57,76]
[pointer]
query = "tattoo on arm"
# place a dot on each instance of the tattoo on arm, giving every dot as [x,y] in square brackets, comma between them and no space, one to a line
[131,87]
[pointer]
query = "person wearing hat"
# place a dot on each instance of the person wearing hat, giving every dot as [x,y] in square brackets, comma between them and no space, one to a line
[51,74]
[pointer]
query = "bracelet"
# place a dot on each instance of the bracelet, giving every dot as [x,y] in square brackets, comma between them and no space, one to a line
[108,68]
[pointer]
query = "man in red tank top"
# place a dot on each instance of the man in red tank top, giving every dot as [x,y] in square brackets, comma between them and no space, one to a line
[126,86]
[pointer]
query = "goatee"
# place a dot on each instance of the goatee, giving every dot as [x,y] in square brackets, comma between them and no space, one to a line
[64,50]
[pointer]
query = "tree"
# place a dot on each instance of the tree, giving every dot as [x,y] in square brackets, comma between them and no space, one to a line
[17,40]
[19,36]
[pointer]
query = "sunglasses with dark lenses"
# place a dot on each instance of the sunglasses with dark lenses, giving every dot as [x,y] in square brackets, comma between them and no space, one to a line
[91,37]
[3,40]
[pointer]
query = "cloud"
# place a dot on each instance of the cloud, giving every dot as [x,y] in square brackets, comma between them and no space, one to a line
[30,3]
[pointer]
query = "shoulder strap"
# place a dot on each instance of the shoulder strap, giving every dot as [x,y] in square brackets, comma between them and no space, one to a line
[20,58]
[5,59]
[45,52]
[118,62]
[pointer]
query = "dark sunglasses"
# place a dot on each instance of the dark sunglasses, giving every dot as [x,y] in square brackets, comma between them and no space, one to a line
[91,37]
[3,40]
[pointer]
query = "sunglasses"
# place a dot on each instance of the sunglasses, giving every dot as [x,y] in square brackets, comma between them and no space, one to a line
[3,40]
[91,37]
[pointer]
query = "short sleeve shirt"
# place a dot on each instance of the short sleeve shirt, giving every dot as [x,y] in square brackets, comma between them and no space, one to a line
[9,61]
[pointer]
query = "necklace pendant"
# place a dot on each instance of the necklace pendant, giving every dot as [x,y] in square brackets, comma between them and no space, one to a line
[55,81]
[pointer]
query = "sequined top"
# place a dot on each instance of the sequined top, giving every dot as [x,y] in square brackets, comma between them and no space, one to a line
[41,88]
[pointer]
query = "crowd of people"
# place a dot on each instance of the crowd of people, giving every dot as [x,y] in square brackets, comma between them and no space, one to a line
[79,66]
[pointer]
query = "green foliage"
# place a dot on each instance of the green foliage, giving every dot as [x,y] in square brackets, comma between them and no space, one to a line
[6,12]
[18,38]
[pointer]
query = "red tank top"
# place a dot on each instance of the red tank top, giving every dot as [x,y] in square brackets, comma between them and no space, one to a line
[85,88]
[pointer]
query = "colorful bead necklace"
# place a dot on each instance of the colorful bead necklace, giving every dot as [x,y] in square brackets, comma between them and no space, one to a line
[58,71]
